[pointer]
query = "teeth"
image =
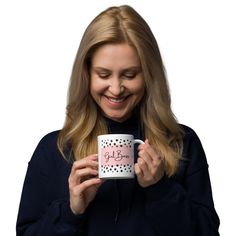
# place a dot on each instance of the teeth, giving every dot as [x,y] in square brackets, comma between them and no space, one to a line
[116,99]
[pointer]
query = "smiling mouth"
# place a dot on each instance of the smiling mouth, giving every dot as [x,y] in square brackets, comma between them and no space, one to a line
[116,100]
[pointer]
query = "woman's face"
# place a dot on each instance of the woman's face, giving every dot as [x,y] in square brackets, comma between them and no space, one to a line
[117,83]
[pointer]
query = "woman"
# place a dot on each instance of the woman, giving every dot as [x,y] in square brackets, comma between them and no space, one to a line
[118,85]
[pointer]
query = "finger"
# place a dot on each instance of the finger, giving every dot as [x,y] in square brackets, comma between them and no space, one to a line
[144,146]
[85,162]
[85,172]
[143,166]
[143,154]
[141,147]
[78,189]
[81,174]
[138,171]
[157,166]
[155,163]
[90,182]
[95,182]
[154,153]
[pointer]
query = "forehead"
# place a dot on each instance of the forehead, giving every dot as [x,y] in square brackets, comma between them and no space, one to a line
[115,55]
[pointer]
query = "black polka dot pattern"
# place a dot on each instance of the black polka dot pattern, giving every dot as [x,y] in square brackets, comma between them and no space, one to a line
[119,168]
[116,143]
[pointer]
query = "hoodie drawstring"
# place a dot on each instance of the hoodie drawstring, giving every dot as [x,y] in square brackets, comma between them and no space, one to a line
[117,202]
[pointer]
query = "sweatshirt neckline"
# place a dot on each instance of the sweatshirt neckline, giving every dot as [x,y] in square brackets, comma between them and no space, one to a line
[130,122]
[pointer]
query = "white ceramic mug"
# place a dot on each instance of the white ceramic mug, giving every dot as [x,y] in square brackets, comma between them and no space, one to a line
[116,156]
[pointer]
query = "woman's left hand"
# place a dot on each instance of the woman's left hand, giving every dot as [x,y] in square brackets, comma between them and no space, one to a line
[150,165]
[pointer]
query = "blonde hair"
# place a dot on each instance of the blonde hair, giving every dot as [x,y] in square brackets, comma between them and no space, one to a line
[83,120]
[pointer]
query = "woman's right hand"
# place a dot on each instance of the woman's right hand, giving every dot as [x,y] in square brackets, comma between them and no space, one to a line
[83,183]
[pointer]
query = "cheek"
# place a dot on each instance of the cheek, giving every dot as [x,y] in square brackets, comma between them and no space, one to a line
[139,94]
[94,86]
[140,90]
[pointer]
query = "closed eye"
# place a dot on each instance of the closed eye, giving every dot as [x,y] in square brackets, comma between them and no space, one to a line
[130,75]
[103,75]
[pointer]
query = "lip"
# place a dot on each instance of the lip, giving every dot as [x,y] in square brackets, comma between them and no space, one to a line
[116,101]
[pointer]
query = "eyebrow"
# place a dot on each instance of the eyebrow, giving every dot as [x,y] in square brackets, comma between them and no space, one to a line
[100,69]
[132,68]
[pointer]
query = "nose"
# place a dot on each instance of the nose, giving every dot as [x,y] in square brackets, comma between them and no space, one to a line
[116,88]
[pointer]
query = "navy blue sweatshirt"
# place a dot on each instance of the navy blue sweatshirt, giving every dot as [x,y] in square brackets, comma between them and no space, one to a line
[178,206]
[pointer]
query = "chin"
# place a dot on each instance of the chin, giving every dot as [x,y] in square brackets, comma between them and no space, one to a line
[118,118]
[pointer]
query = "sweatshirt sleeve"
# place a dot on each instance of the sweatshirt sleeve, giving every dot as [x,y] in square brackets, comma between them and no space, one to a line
[41,211]
[184,208]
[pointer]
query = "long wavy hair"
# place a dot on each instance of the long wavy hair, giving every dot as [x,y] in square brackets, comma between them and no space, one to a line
[84,121]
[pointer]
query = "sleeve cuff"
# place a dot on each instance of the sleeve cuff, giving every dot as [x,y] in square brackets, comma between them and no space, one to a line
[69,216]
[160,190]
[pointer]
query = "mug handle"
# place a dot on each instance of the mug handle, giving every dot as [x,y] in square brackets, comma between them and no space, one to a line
[138,141]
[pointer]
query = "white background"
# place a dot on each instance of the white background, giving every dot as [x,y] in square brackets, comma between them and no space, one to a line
[38,42]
